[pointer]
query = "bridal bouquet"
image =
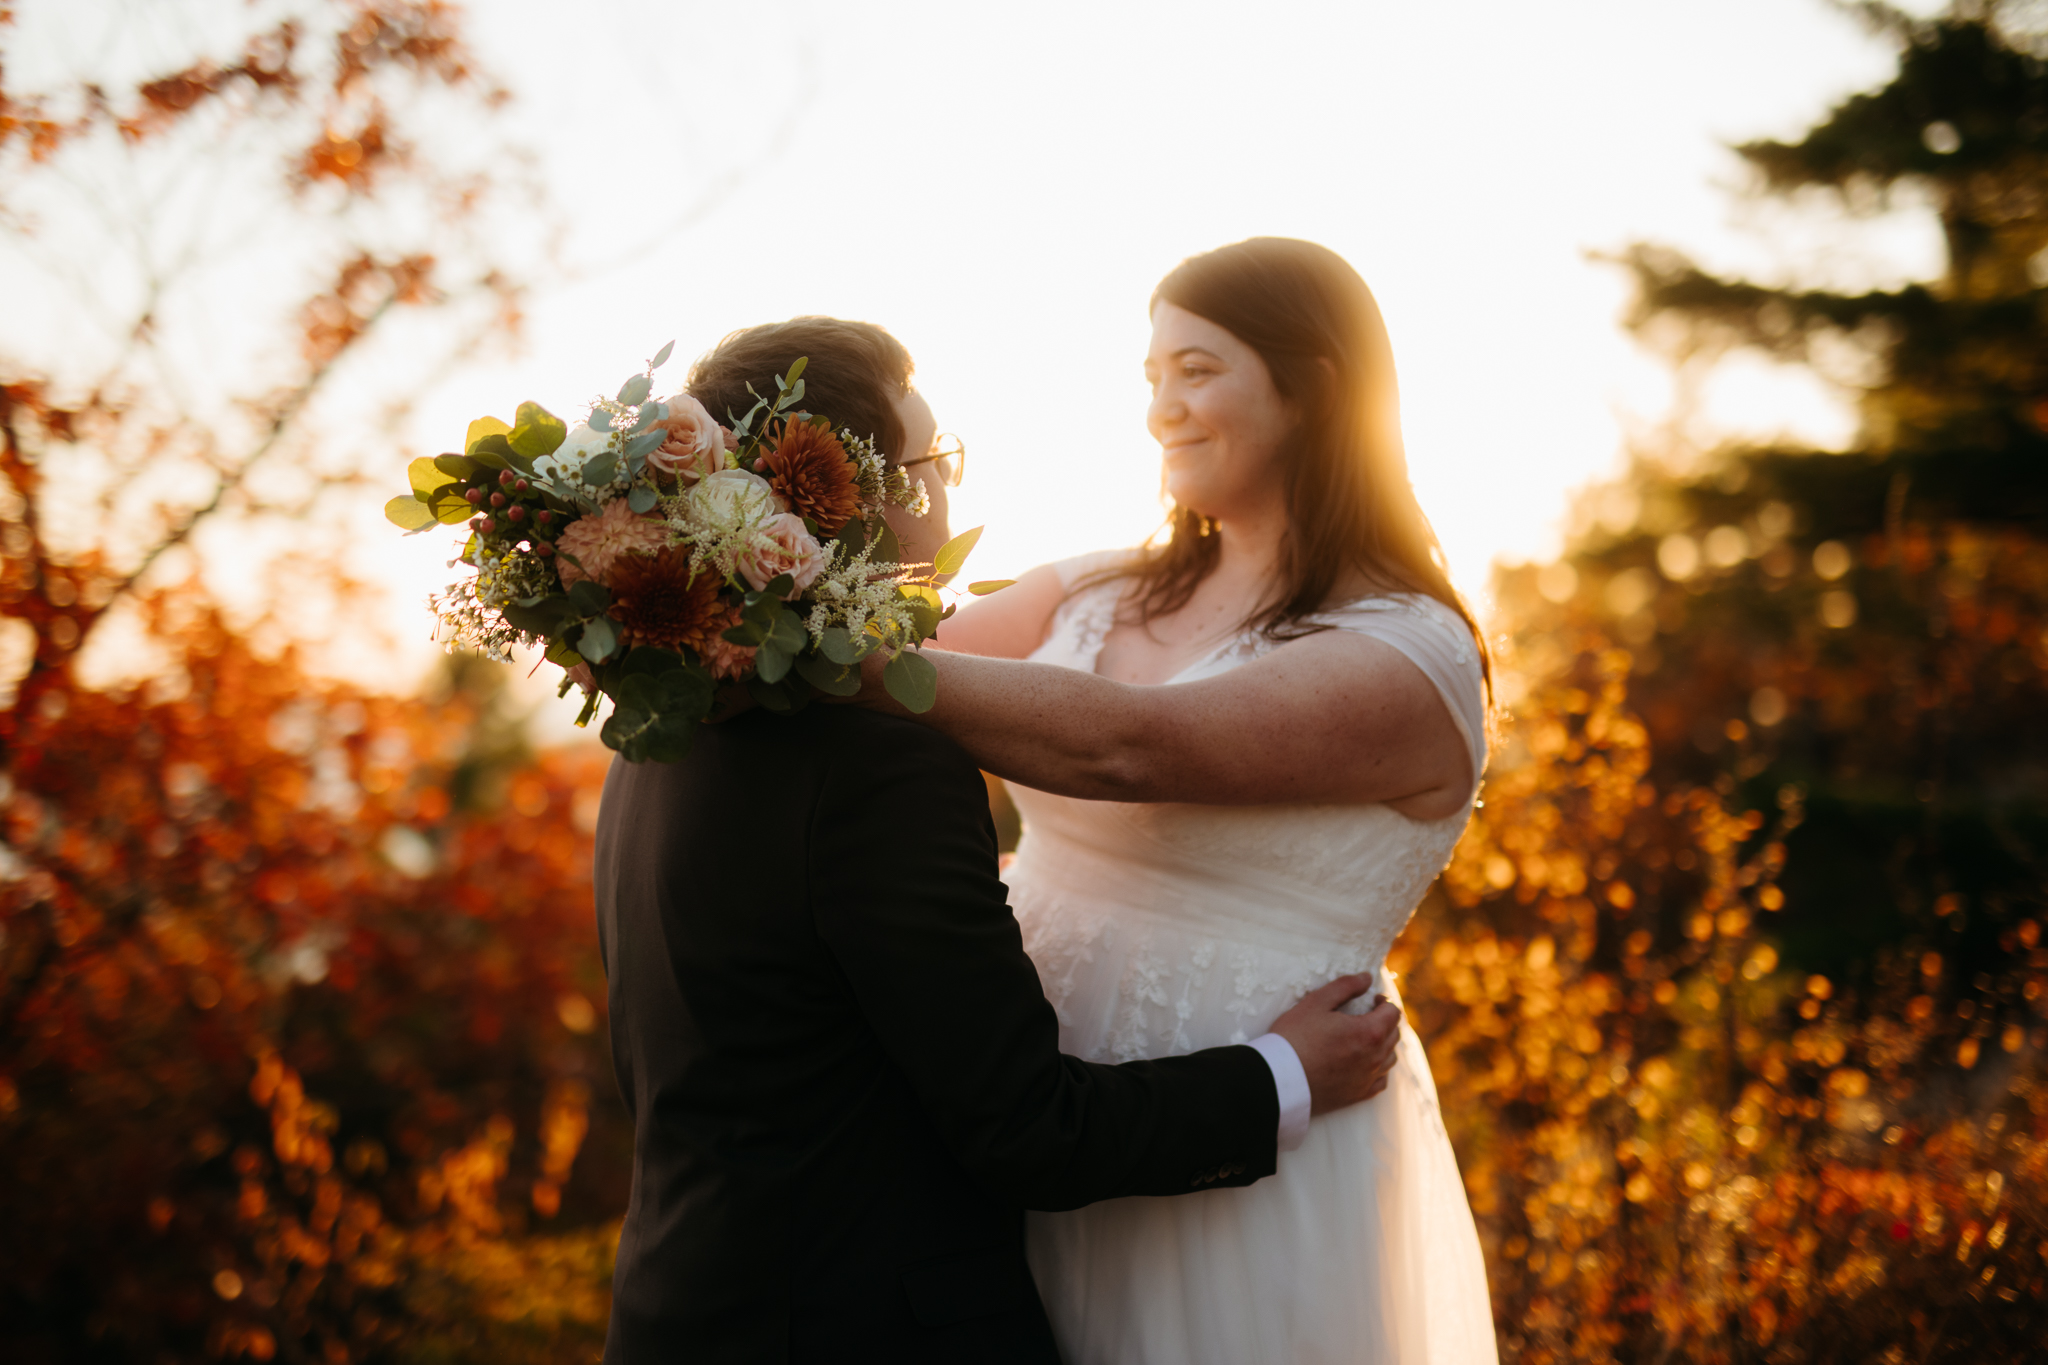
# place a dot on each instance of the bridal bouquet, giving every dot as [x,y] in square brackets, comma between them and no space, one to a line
[656,555]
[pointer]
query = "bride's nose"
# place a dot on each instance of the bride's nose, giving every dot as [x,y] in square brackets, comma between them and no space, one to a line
[1164,414]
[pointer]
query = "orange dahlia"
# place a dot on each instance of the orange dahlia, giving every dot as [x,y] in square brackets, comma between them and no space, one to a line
[656,602]
[814,475]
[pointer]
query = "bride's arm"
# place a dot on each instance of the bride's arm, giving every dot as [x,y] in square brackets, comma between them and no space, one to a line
[1009,624]
[1335,717]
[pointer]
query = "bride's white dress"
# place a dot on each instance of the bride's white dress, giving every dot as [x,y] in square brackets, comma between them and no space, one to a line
[1162,929]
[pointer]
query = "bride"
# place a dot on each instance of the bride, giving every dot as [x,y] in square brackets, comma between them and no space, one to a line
[1197,856]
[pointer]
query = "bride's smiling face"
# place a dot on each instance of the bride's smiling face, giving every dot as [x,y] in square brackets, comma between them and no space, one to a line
[1216,414]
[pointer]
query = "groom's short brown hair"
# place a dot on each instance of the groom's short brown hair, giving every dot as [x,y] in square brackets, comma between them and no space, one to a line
[856,373]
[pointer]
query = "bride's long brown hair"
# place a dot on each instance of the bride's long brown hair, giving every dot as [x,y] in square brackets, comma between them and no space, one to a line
[1349,502]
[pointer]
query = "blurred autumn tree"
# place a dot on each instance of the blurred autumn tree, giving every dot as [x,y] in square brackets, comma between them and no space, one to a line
[1735,990]
[299,1013]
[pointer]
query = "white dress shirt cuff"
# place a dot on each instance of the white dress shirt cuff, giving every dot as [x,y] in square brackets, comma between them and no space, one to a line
[1292,1083]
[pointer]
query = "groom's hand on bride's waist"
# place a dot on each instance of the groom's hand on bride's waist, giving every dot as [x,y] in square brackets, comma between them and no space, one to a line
[1347,1057]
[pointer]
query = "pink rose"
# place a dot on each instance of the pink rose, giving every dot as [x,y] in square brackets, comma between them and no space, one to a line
[780,545]
[696,444]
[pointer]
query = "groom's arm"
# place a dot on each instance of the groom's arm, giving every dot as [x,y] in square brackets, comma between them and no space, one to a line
[902,867]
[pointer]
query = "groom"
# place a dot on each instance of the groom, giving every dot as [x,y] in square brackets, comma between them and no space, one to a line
[845,1082]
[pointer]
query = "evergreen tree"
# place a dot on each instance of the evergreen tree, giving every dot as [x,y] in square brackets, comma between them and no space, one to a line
[1867,627]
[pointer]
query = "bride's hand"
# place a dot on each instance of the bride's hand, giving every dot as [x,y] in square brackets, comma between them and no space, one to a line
[1347,1057]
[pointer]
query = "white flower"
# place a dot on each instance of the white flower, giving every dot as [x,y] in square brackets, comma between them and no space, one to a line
[734,498]
[582,444]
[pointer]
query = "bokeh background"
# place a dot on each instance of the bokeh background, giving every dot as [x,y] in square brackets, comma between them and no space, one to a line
[1725,374]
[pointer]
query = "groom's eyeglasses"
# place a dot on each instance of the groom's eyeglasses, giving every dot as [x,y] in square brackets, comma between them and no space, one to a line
[949,453]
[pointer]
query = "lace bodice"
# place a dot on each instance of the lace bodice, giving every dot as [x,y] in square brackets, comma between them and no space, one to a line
[1164,928]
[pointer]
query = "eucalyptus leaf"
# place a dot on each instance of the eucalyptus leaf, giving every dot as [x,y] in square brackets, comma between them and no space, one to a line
[912,681]
[853,536]
[634,391]
[550,616]
[796,372]
[642,499]
[788,634]
[778,587]
[590,597]
[656,715]
[409,513]
[839,647]
[650,413]
[600,419]
[600,471]
[647,442]
[771,662]
[834,679]
[783,698]
[888,550]
[600,638]
[559,652]
[661,357]
[989,585]
[954,552]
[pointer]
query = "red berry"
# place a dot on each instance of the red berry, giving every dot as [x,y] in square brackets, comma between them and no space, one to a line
[544,549]
[521,486]
[475,496]
[505,479]
[497,499]
[488,527]
[478,523]
[546,518]
[517,513]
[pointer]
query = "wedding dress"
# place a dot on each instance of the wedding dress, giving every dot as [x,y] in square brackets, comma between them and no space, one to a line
[1159,929]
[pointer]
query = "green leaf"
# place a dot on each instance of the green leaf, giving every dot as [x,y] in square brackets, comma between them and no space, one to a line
[600,419]
[634,391]
[589,597]
[772,663]
[409,513]
[492,451]
[989,585]
[482,427]
[455,466]
[656,715]
[550,616]
[796,372]
[538,433]
[642,499]
[449,506]
[601,470]
[788,634]
[661,357]
[426,476]
[912,681]
[650,413]
[853,536]
[954,552]
[887,549]
[647,442]
[777,588]
[559,652]
[839,647]
[600,638]
[784,698]
[832,678]
[925,606]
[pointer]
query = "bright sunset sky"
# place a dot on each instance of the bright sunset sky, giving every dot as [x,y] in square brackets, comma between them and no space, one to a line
[1002,186]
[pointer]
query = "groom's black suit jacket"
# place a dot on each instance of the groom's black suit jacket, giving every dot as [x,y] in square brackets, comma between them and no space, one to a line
[845,1081]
